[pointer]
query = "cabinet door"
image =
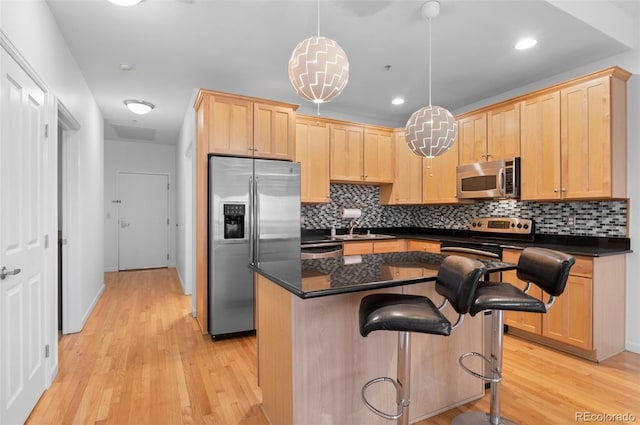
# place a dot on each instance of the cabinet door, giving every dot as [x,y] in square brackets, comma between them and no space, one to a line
[378,163]
[230,126]
[570,319]
[357,248]
[346,153]
[391,245]
[503,132]
[472,135]
[407,181]
[586,139]
[312,151]
[424,246]
[439,177]
[273,131]
[540,146]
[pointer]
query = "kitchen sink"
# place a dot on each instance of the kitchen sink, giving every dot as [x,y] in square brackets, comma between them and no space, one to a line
[361,237]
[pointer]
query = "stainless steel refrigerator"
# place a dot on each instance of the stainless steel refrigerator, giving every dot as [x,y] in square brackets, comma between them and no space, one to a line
[254,216]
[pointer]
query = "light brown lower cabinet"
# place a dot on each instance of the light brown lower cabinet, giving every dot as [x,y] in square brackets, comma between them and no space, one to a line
[374,247]
[424,246]
[588,319]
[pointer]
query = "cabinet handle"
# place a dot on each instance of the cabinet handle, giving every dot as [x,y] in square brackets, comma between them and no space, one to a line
[555,190]
[564,189]
[256,149]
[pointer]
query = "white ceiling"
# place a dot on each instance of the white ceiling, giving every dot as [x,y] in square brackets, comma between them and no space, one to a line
[243,46]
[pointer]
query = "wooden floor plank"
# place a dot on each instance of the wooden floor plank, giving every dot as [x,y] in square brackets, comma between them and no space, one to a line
[142,360]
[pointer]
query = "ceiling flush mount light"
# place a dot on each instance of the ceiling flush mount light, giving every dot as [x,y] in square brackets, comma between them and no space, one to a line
[139,107]
[125,2]
[318,68]
[526,43]
[397,101]
[431,130]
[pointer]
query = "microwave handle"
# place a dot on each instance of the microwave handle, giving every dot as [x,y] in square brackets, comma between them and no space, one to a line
[501,182]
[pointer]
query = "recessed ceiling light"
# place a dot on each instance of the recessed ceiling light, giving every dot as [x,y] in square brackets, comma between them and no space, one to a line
[126,67]
[397,101]
[139,107]
[526,43]
[125,2]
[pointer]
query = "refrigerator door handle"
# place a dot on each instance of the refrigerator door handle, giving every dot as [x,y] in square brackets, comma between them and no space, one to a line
[257,219]
[251,220]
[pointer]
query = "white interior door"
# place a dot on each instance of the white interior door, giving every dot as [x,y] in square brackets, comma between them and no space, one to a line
[22,321]
[143,222]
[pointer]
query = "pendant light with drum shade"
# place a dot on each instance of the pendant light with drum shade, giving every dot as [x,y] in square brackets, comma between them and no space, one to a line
[318,68]
[431,130]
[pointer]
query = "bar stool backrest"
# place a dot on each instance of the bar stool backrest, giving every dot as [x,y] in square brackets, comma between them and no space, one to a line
[457,281]
[546,268]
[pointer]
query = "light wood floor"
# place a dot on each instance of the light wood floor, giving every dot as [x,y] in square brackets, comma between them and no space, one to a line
[142,360]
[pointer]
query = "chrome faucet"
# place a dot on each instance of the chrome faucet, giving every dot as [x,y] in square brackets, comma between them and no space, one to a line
[353,223]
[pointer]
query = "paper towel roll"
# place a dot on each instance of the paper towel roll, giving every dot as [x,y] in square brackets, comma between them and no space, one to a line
[351,212]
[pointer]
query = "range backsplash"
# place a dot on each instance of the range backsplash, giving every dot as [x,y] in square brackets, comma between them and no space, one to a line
[592,218]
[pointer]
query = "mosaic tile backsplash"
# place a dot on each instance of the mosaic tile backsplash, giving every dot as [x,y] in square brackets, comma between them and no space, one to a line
[589,218]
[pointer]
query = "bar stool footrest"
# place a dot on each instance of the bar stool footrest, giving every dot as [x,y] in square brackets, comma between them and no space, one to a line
[385,415]
[497,376]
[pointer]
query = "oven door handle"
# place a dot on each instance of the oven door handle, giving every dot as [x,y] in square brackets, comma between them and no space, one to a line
[468,251]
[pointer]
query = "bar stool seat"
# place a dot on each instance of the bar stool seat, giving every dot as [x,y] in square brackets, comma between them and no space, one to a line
[398,312]
[456,281]
[504,296]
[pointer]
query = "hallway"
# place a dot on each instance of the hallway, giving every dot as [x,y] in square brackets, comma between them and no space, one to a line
[141,360]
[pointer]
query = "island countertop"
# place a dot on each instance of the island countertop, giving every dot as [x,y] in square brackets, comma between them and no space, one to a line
[338,275]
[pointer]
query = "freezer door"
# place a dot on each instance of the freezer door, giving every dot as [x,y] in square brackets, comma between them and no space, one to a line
[230,280]
[277,210]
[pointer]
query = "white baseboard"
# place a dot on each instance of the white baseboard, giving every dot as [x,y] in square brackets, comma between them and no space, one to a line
[634,347]
[92,306]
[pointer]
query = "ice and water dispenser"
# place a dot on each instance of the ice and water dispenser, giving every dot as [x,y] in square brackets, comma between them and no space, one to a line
[234,221]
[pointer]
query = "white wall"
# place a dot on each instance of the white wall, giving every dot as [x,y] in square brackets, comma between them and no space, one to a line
[30,27]
[631,62]
[134,157]
[185,205]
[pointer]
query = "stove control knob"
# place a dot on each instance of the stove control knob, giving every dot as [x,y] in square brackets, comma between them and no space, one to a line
[519,226]
[526,226]
[479,224]
[473,224]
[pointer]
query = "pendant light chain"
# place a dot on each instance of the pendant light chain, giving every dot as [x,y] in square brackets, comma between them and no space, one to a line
[318,10]
[429,61]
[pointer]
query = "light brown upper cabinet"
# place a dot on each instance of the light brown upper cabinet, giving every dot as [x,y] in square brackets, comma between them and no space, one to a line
[361,154]
[574,140]
[244,126]
[312,151]
[407,183]
[439,177]
[489,134]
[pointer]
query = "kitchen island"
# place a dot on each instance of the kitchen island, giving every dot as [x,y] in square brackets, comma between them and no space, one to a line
[312,361]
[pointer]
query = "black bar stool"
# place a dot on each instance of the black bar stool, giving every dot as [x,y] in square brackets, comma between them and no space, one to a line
[545,268]
[457,281]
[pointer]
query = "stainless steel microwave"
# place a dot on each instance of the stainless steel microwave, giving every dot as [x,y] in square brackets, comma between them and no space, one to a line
[489,180]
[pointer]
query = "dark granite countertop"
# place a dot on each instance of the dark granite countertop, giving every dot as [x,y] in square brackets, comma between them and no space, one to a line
[339,275]
[575,245]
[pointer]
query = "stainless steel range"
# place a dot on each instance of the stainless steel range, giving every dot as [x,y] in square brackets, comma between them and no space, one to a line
[488,235]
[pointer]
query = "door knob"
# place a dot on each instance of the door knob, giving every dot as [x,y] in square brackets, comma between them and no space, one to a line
[124,224]
[4,273]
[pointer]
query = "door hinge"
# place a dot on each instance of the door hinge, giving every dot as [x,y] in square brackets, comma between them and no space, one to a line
[46,351]
[167,186]
[167,257]
[46,241]
[167,222]
[46,131]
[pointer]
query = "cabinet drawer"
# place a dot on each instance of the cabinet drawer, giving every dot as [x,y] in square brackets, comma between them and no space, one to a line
[424,246]
[356,248]
[393,245]
[582,267]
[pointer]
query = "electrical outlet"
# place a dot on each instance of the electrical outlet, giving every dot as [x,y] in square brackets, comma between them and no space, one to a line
[571,220]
